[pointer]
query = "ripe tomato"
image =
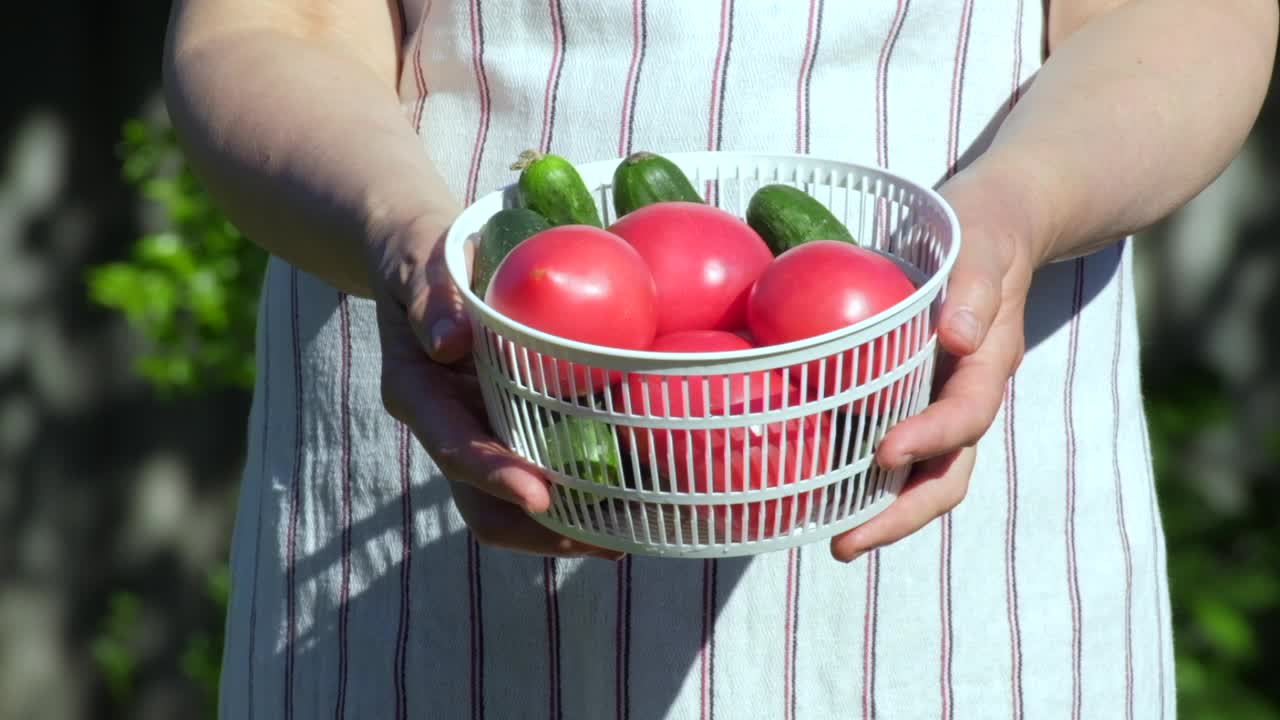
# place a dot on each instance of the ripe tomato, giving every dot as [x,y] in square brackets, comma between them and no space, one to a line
[580,283]
[706,394]
[744,467]
[703,260]
[822,286]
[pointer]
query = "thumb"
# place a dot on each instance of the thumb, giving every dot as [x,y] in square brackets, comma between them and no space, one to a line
[973,295]
[988,249]
[435,310]
[444,316]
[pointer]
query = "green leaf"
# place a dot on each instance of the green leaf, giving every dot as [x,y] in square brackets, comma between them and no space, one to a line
[208,299]
[113,284]
[191,288]
[167,371]
[167,251]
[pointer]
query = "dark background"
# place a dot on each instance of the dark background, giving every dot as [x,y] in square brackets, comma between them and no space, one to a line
[116,486]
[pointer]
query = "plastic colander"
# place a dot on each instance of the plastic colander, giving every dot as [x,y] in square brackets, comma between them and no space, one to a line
[729,453]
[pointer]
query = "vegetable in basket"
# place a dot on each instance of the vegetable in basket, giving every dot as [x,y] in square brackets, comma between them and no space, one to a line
[500,235]
[645,178]
[552,187]
[579,283]
[583,448]
[703,259]
[787,217]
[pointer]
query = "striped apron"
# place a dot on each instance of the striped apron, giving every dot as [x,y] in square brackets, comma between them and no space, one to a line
[359,593]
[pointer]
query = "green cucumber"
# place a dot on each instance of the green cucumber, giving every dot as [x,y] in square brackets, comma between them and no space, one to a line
[584,448]
[506,229]
[551,186]
[645,178]
[786,217]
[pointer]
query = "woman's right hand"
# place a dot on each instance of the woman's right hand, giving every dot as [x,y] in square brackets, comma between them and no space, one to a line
[425,337]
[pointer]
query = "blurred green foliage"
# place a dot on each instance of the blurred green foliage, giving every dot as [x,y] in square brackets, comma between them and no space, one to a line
[1224,567]
[116,654]
[113,649]
[191,288]
[202,652]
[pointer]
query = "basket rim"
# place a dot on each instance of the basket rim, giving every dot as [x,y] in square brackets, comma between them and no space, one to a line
[457,237]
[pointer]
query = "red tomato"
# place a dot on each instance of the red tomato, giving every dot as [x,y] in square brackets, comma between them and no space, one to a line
[580,283]
[822,286]
[703,259]
[706,394]
[744,468]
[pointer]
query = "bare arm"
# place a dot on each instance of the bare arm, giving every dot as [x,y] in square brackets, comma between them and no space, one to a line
[288,110]
[1140,105]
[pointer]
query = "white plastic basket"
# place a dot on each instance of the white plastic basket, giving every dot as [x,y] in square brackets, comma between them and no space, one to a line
[645,475]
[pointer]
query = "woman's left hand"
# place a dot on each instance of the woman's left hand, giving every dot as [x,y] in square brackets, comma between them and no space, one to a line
[981,330]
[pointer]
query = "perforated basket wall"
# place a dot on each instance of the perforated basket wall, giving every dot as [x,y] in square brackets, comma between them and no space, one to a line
[637,461]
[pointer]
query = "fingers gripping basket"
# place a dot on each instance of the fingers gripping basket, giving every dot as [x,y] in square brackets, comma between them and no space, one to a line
[655,473]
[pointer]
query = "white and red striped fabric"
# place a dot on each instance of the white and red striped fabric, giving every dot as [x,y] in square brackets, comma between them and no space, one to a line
[359,593]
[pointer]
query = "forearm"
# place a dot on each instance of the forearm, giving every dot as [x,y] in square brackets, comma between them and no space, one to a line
[1131,116]
[301,140]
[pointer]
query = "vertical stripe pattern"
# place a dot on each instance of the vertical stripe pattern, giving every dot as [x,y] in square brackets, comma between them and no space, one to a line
[789,640]
[475,587]
[623,651]
[262,480]
[715,122]
[948,636]
[882,83]
[1011,461]
[553,75]
[1120,519]
[549,564]
[352,630]
[1011,543]
[715,136]
[869,636]
[953,152]
[553,639]
[1073,579]
[419,76]
[1157,564]
[295,502]
[882,155]
[406,574]
[626,137]
[639,39]
[708,700]
[400,670]
[804,81]
[482,88]
[1017,58]
[793,629]
[719,79]
[344,608]
[477,629]
[957,87]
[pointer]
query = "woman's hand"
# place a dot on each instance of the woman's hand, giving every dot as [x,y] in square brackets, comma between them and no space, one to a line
[981,331]
[425,338]
[1073,154]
